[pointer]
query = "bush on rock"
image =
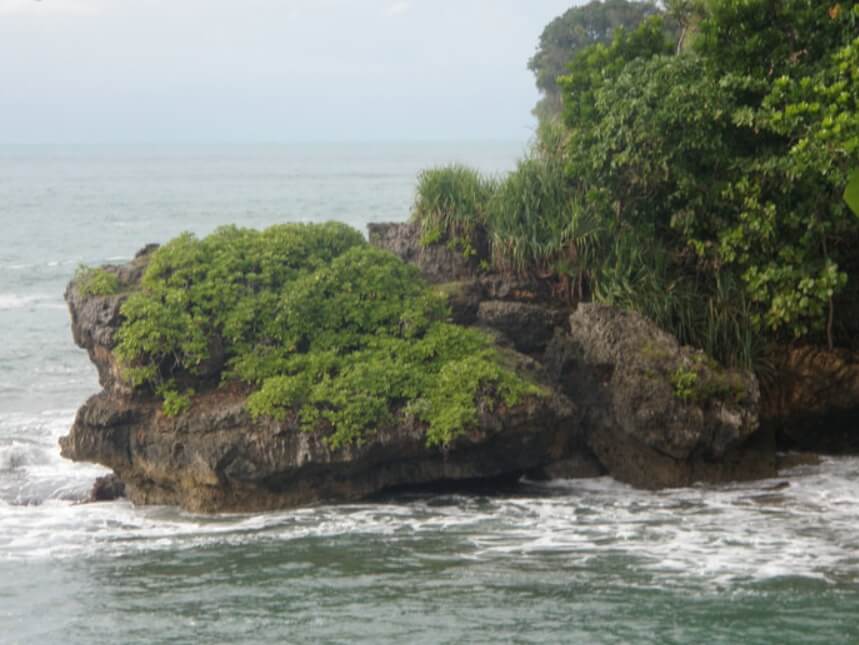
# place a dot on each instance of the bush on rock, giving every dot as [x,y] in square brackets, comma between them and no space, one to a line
[329,331]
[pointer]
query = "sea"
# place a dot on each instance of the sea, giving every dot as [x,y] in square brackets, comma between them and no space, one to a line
[567,561]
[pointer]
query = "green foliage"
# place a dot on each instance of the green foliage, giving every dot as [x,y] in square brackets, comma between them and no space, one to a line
[459,385]
[794,239]
[719,172]
[329,331]
[450,205]
[702,381]
[441,378]
[685,382]
[573,31]
[96,281]
[222,287]
[175,402]
[705,183]
[766,39]
[529,216]
[597,66]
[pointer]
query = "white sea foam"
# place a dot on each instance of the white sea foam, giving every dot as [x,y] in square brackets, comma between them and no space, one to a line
[13,301]
[10,301]
[17,455]
[716,534]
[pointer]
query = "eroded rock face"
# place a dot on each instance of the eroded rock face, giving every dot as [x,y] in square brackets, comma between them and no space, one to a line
[95,319]
[659,415]
[437,262]
[812,400]
[216,458]
[528,326]
[516,306]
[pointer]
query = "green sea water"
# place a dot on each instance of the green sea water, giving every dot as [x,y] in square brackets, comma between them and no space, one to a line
[587,561]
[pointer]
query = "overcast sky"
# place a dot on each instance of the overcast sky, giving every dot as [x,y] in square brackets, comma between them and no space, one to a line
[215,71]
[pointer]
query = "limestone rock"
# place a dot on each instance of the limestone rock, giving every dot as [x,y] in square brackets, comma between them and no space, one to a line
[661,415]
[95,319]
[528,326]
[437,262]
[215,457]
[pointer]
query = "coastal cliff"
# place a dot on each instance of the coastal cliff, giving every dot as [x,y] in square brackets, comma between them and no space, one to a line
[617,395]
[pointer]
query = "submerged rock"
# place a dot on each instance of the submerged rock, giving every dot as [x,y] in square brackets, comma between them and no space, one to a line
[107,489]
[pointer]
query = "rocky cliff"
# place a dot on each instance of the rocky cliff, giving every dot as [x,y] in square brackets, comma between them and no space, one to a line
[623,398]
[653,413]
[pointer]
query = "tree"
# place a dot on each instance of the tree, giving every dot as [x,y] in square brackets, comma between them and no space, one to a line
[570,33]
[728,163]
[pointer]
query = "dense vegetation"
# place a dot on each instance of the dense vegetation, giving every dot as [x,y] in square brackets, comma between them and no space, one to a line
[702,185]
[319,323]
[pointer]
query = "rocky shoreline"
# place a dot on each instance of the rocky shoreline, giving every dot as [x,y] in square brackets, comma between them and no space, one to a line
[624,399]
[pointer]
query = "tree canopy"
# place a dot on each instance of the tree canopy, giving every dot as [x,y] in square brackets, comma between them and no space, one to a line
[576,29]
[732,156]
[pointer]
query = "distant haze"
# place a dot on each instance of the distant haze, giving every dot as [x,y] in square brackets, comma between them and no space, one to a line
[224,71]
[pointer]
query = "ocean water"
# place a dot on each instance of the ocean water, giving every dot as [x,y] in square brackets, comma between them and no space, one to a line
[587,561]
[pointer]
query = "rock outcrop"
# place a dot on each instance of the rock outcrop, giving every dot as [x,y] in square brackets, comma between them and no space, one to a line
[107,489]
[658,414]
[96,319]
[528,326]
[437,262]
[215,457]
[624,398]
[520,309]
[654,414]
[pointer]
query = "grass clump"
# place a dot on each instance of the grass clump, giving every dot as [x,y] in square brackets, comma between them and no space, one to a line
[530,218]
[96,281]
[450,205]
[328,331]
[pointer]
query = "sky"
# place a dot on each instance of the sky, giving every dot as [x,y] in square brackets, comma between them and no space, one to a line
[258,71]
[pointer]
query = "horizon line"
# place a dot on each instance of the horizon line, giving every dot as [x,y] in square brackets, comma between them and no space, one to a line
[268,143]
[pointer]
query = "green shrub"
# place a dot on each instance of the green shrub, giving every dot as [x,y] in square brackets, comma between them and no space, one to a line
[459,384]
[329,331]
[96,281]
[175,403]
